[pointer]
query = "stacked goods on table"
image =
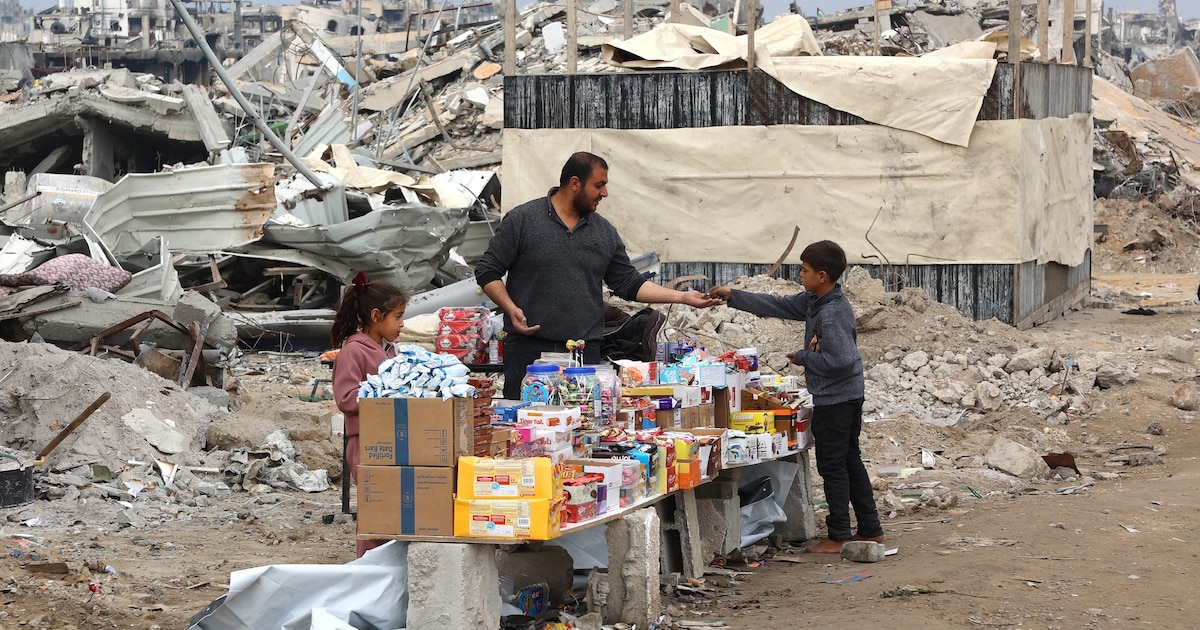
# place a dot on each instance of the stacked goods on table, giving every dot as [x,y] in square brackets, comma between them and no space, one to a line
[464,333]
[441,457]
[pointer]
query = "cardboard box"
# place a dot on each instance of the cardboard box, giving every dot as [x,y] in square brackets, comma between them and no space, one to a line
[607,500]
[406,500]
[711,375]
[668,418]
[415,431]
[550,415]
[529,478]
[712,456]
[518,519]
[752,421]
[688,473]
[699,417]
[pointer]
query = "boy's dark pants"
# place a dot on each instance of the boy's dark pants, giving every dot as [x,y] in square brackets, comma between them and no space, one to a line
[836,429]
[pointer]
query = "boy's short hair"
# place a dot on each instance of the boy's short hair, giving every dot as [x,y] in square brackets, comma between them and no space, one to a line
[825,256]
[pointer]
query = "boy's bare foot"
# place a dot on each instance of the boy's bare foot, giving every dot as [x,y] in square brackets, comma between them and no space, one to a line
[826,546]
[877,539]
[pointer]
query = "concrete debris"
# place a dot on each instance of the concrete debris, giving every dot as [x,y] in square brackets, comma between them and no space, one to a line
[863,551]
[1016,459]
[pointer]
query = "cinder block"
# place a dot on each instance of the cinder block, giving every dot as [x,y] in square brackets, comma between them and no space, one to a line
[453,585]
[863,551]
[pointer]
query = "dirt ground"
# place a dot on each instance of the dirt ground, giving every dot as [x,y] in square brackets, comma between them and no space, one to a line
[1021,554]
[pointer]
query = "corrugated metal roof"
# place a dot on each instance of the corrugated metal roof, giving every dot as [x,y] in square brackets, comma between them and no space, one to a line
[196,210]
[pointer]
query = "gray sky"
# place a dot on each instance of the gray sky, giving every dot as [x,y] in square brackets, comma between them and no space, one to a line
[1188,9]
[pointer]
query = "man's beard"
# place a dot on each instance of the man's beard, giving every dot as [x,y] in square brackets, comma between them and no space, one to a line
[581,205]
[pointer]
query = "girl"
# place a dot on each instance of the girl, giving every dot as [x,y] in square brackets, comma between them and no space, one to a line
[368,319]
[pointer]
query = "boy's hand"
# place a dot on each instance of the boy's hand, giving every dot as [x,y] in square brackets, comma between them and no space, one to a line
[720,292]
[814,345]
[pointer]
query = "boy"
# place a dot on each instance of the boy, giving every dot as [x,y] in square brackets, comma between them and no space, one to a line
[833,371]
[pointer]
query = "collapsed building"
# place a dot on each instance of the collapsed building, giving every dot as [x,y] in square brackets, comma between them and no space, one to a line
[383,136]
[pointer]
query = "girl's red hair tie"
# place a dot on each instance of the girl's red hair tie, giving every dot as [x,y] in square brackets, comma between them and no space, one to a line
[360,282]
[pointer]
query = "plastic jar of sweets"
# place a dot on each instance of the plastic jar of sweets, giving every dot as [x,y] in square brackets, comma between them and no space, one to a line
[540,384]
[579,387]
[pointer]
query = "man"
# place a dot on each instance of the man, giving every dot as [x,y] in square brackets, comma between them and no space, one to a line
[558,253]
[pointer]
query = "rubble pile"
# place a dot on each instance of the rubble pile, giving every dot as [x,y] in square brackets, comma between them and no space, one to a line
[145,448]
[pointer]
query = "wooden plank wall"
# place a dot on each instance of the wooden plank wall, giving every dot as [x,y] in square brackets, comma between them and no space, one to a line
[678,100]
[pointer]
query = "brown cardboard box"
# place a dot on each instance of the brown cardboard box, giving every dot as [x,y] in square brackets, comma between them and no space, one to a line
[668,419]
[414,431]
[406,500]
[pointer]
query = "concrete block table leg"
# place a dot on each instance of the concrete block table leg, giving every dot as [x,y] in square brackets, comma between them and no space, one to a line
[633,557]
[453,585]
[718,514]
[801,522]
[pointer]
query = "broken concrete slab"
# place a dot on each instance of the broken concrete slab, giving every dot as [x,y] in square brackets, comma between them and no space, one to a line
[1170,77]
[1016,459]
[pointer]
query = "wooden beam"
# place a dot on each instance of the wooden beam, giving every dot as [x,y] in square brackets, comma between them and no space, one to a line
[628,19]
[510,38]
[572,36]
[1087,37]
[875,31]
[751,11]
[1014,52]
[1068,29]
[675,11]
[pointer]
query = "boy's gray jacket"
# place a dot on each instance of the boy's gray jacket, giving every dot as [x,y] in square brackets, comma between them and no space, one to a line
[835,374]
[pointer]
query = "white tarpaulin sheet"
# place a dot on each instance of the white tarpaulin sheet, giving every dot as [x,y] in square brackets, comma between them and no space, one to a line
[936,96]
[1020,191]
[939,97]
[368,593]
[689,47]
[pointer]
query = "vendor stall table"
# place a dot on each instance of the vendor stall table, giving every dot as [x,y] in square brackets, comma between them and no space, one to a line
[665,533]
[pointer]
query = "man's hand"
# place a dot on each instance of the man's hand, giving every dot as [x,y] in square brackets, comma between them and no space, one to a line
[520,323]
[814,345]
[697,299]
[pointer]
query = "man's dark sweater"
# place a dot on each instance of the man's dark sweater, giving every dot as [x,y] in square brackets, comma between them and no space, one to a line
[835,374]
[555,275]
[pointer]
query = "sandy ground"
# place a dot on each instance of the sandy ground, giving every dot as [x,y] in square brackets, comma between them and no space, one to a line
[1116,554]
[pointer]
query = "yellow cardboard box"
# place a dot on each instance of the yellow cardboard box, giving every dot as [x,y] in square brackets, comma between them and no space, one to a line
[518,519]
[524,478]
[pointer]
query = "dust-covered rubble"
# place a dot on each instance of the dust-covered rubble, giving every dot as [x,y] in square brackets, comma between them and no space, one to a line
[143,456]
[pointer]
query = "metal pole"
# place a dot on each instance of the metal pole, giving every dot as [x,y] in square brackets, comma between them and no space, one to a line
[357,76]
[259,123]
[391,123]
